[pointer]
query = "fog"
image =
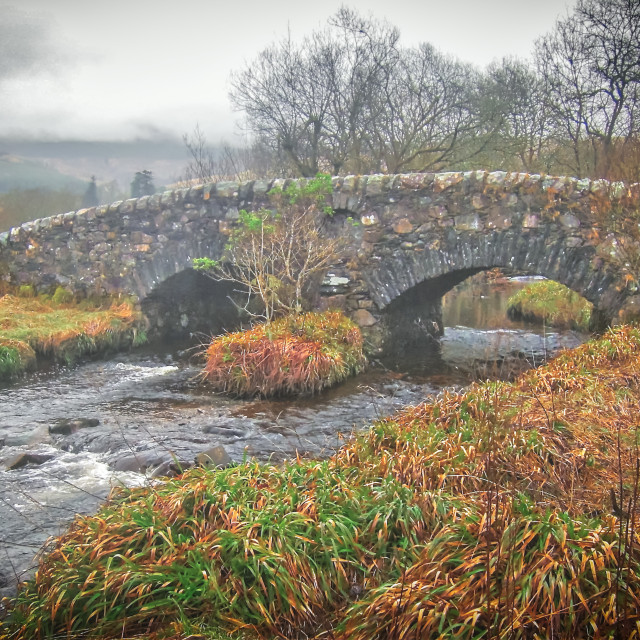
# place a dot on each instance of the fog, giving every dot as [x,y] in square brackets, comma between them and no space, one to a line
[119,70]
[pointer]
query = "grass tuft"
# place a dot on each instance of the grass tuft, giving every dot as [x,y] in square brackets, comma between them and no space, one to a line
[57,328]
[297,354]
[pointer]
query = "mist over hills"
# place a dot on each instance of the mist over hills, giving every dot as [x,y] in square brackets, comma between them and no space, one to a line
[69,164]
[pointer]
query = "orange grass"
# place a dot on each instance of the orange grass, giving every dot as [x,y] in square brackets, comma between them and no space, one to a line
[291,355]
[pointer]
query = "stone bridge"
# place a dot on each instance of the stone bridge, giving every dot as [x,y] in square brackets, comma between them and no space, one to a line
[408,240]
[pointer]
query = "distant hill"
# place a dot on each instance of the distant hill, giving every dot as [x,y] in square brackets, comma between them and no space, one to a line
[32,163]
[21,173]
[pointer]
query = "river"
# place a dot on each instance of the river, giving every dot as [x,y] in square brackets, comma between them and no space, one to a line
[139,411]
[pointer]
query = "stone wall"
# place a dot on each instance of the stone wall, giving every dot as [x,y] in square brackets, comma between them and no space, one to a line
[413,235]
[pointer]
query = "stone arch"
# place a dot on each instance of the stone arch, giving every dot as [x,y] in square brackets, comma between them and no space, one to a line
[407,286]
[533,253]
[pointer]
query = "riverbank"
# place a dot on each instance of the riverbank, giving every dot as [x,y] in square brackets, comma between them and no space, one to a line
[58,328]
[484,511]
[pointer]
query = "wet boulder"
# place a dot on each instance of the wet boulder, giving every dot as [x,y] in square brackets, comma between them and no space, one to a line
[170,469]
[67,426]
[28,457]
[139,462]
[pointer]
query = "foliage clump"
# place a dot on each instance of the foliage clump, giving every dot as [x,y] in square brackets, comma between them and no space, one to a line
[506,511]
[550,303]
[56,327]
[296,354]
[62,296]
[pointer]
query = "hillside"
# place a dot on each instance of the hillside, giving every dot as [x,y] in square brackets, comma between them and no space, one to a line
[23,173]
[78,160]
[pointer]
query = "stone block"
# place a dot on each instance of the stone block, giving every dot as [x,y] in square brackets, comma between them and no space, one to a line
[447,180]
[369,219]
[478,201]
[363,318]
[214,457]
[403,226]
[349,184]
[469,222]
[336,302]
[376,184]
[227,189]
[569,220]
[411,180]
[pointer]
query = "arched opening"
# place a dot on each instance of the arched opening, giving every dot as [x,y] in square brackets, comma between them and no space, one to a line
[459,321]
[189,304]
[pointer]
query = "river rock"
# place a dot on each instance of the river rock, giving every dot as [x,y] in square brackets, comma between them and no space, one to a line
[214,457]
[39,435]
[66,426]
[139,462]
[363,318]
[227,426]
[23,459]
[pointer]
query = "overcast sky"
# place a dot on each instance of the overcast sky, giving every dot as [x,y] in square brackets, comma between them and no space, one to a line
[120,69]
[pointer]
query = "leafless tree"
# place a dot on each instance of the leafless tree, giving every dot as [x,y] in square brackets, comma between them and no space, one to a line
[425,108]
[591,66]
[515,100]
[316,103]
[224,162]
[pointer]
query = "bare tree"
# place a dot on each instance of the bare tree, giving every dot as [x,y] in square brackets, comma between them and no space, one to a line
[202,165]
[591,66]
[225,162]
[316,103]
[425,108]
[515,98]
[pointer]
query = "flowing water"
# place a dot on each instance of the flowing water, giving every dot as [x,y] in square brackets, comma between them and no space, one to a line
[137,414]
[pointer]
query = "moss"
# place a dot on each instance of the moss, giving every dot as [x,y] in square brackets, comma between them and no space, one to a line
[27,291]
[62,296]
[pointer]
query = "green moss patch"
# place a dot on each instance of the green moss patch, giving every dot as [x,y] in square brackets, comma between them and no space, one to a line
[548,302]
